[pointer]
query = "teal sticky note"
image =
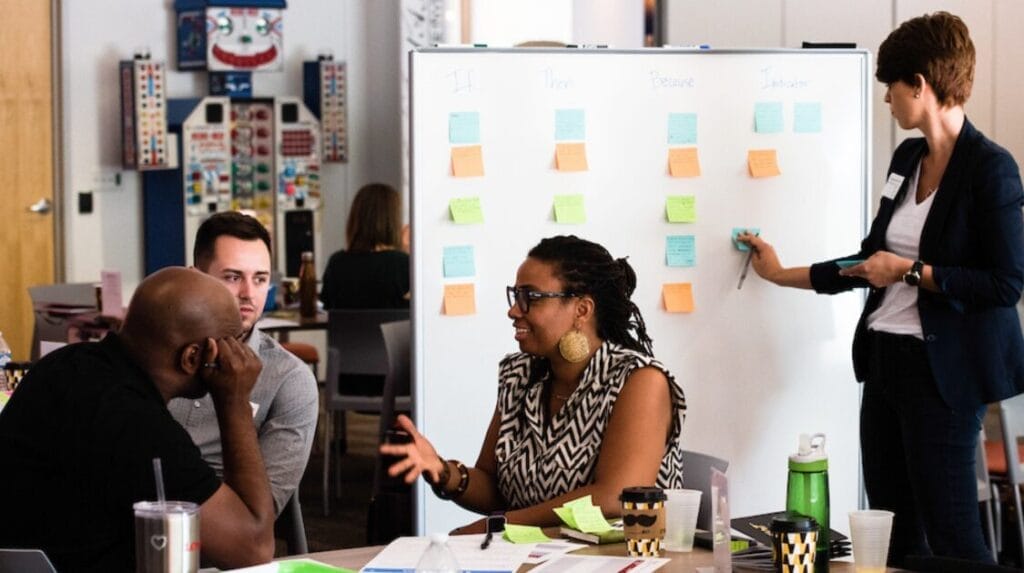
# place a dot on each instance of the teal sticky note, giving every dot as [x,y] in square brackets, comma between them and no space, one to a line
[466,210]
[807,117]
[458,261]
[845,264]
[570,125]
[736,231]
[569,209]
[768,117]
[680,251]
[681,209]
[463,127]
[682,128]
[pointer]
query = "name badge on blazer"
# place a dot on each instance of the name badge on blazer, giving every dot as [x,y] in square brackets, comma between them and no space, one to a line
[892,186]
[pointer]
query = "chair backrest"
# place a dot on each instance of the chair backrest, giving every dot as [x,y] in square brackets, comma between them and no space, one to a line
[981,470]
[25,561]
[697,475]
[1011,416]
[397,344]
[291,527]
[355,344]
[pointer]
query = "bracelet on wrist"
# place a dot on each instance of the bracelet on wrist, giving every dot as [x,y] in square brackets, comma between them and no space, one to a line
[441,487]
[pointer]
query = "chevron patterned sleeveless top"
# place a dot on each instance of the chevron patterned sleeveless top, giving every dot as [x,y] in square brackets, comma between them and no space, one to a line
[539,459]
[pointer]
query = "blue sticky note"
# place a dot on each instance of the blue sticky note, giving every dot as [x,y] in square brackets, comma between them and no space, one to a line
[458,261]
[682,128]
[845,264]
[463,127]
[570,125]
[768,117]
[736,231]
[680,251]
[807,117]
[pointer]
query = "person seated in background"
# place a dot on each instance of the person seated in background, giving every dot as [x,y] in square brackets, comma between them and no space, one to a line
[235,249]
[374,271]
[78,438]
[583,409]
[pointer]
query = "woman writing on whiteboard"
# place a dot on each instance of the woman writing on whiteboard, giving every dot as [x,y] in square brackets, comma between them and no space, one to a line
[944,261]
[583,409]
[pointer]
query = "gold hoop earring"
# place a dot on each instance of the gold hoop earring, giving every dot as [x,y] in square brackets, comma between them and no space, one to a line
[574,346]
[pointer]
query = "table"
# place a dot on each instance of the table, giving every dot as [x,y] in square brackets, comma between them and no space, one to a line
[283,322]
[681,562]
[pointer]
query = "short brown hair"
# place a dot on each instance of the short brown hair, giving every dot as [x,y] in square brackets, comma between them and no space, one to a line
[374,219]
[938,46]
[232,224]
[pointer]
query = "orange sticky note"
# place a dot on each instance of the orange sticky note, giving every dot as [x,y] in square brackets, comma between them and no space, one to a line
[468,161]
[763,163]
[683,162]
[571,157]
[459,299]
[678,297]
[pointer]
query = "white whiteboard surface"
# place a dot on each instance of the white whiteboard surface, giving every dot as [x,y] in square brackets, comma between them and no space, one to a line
[758,365]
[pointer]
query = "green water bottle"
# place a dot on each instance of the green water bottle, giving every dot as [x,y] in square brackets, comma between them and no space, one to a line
[807,490]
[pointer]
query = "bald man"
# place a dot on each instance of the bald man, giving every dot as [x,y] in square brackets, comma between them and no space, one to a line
[78,438]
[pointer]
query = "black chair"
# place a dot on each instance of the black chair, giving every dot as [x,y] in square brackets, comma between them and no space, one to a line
[355,353]
[932,564]
[291,528]
[697,475]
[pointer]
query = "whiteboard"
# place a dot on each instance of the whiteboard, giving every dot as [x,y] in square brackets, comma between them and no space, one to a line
[759,365]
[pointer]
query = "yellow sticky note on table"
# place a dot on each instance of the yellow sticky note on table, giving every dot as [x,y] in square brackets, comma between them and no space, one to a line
[569,209]
[683,162]
[763,163]
[468,161]
[466,210]
[681,208]
[459,299]
[589,519]
[524,534]
[565,514]
[571,157]
[678,297]
[584,501]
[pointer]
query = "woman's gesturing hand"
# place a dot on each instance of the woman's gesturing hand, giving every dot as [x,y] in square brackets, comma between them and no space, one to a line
[418,456]
[880,269]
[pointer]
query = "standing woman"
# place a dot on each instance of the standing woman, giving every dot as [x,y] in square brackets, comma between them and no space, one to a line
[944,261]
[374,271]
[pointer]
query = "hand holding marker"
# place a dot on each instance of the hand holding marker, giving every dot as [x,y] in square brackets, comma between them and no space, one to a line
[746,265]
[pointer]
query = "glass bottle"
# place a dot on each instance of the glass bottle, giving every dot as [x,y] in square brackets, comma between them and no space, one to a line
[307,286]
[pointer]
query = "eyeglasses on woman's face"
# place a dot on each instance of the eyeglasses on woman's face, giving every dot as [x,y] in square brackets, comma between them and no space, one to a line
[523,296]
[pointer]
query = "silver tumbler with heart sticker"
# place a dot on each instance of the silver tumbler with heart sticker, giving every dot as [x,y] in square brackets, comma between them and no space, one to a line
[166,537]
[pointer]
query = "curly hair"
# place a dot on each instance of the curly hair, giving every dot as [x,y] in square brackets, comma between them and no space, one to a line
[588,268]
[938,46]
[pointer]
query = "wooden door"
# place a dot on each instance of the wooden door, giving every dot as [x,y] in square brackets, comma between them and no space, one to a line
[26,165]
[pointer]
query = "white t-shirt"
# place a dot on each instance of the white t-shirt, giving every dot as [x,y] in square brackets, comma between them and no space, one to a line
[898,312]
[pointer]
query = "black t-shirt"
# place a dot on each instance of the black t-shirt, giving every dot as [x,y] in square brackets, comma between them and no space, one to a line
[366,280]
[77,442]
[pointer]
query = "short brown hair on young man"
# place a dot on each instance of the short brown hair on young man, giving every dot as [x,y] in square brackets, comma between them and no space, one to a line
[229,223]
[938,46]
[375,219]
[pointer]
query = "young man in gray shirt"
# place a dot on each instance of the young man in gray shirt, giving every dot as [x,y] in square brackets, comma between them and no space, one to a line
[235,249]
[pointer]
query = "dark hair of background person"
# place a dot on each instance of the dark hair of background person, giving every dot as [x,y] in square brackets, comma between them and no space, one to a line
[374,219]
[588,268]
[938,46]
[232,224]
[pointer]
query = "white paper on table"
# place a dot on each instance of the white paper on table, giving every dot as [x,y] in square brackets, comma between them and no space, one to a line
[600,563]
[402,554]
[111,301]
[544,551]
[272,322]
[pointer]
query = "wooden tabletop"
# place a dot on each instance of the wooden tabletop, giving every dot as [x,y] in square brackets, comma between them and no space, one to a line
[290,320]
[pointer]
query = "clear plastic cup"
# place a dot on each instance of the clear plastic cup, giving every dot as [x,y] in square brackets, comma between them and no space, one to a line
[166,536]
[681,509]
[869,532]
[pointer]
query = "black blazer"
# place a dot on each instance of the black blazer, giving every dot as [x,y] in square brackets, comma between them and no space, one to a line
[973,238]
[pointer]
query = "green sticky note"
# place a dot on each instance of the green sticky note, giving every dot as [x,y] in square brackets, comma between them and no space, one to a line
[590,519]
[807,117]
[565,514]
[524,534]
[308,566]
[466,210]
[569,209]
[681,209]
[585,501]
[768,117]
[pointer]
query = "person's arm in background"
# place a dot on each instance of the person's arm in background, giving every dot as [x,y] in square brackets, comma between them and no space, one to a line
[767,266]
[237,522]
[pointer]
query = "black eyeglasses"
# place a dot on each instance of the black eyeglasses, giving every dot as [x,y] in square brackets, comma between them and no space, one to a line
[522,296]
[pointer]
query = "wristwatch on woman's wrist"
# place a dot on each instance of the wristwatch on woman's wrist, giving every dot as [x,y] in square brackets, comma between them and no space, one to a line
[913,276]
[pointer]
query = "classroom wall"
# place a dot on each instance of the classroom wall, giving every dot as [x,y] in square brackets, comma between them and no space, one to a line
[998,84]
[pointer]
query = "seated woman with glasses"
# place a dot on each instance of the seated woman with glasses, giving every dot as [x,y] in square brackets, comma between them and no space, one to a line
[583,409]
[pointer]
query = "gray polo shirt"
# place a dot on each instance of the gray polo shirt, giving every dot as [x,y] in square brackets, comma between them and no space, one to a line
[286,405]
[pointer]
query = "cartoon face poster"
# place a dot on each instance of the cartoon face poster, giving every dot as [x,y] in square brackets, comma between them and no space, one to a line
[244,38]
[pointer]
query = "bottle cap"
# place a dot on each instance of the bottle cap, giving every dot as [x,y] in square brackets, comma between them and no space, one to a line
[811,454]
[307,255]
